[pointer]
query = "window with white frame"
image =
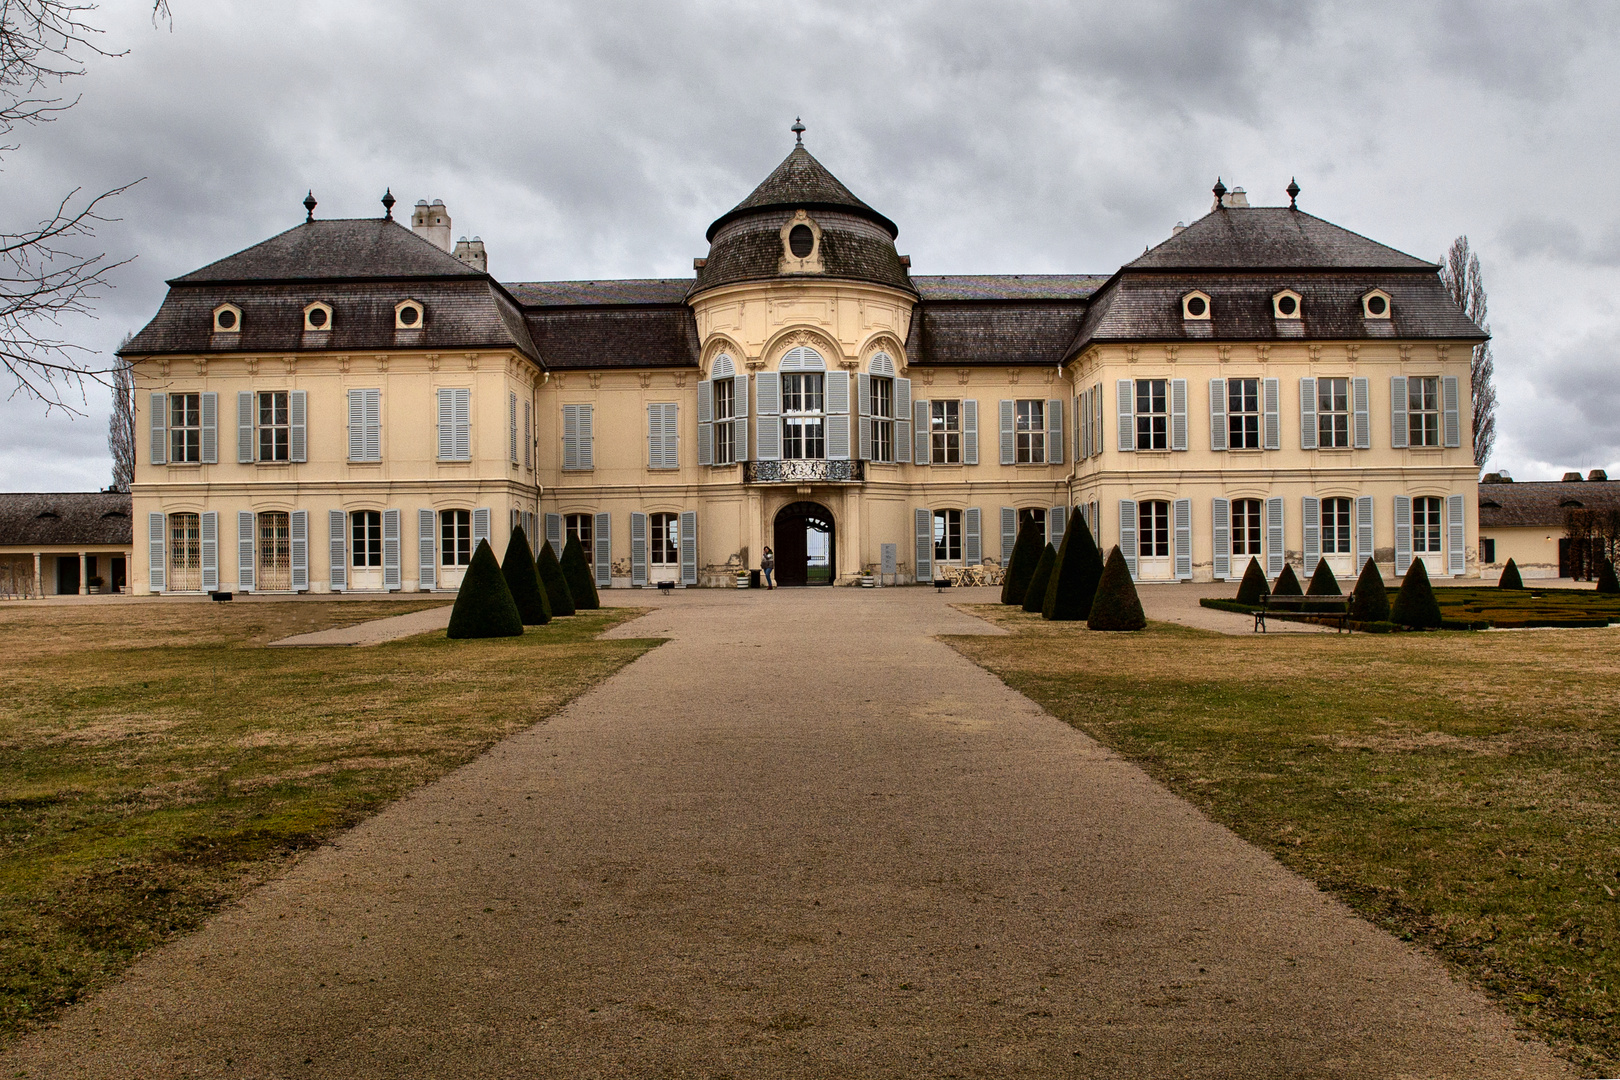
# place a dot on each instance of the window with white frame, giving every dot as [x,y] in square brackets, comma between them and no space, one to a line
[275,551]
[1246,536]
[1243,414]
[1333,413]
[1032,515]
[1336,526]
[803,434]
[185,552]
[1427,536]
[274,428]
[185,427]
[579,527]
[725,421]
[1423,410]
[365,535]
[947,535]
[882,418]
[1152,414]
[664,543]
[1029,430]
[1153,525]
[455,537]
[945,431]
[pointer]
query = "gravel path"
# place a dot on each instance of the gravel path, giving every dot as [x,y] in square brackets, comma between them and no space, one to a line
[800,839]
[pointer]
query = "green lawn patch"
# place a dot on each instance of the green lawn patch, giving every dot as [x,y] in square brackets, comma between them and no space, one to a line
[156,761]
[1459,790]
[1488,607]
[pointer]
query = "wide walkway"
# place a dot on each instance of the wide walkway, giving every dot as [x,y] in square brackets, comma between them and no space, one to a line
[801,839]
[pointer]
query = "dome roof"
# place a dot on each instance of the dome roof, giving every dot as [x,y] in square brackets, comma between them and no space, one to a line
[802,183]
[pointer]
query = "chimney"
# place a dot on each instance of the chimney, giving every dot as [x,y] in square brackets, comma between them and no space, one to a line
[432,223]
[1597,474]
[472,253]
[1237,197]
[1181,227]
[1572,478]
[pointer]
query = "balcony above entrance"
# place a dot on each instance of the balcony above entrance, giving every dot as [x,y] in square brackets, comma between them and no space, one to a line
[804,471]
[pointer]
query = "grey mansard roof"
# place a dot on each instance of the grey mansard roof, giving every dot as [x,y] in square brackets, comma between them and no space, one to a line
[802,182]
[1271,238]
[339,249]
[637,323]
[62,518]
[1011,320]
[1543,503]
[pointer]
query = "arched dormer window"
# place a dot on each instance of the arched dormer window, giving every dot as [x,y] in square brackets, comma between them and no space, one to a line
[318,316]
[227,319]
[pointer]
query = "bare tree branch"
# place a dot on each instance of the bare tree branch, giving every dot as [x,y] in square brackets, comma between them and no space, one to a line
[1463,279]
[121,423]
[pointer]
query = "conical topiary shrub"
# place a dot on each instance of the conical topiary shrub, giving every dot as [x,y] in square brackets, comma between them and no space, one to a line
[577,571]
[1116,605]
[523,578]
[1607,582]
[1287,583]
[1073,584]
[552,580]
[1035,595]
[484,605]
[1253,584]
[1415,605]
[1323,583]
[1369,601]
[1510,577]
[1026,553]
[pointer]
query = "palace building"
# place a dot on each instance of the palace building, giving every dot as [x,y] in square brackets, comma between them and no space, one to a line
[352,405]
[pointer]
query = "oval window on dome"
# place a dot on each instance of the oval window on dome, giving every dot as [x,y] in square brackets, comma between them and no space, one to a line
[801,241]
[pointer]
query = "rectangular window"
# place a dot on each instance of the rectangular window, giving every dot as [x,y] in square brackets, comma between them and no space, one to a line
[1487,549]
[1035,516]
[1335,525]
[365,529]
[1333,413]
[725,416]
[1243,414]
[185,551]
[882,418]
[1153,525]
[1030,432]
[665,544]
[274,431]
[185,428]
[1426,532]
[802,425]
[945,429]
[455,537]
[1245,527]
[1423,410]
[1152,414]
[275,552]
[578,441]
[578,527]
[947,533]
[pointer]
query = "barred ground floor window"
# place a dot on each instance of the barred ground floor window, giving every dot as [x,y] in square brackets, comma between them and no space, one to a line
[185,552]
[275,551]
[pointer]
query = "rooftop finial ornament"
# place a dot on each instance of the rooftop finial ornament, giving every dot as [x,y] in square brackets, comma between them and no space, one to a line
[798,131]
[1293,193]
[309,205]
[388,204]
[1220,191]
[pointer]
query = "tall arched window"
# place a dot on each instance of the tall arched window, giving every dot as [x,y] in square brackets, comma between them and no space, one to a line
[803,404]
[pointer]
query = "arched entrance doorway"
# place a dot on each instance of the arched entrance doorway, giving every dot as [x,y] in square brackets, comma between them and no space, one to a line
[806,551]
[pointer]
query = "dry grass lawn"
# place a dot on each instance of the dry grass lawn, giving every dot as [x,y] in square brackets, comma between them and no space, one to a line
[1459,789]
[156,760]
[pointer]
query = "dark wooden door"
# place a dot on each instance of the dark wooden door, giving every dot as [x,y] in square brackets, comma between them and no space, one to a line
[791,551]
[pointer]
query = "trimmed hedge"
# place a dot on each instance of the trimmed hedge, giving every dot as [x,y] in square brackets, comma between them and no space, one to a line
[1287,583]
[1510,577]
[484,606]
[581,580]
[1369,601]
[1253,584]
[523,579]
[556,586]
[1035,595]
[1116,607]
[1607,582]
[1323,583]
[1073,584]
[1026,553]
[1415,605]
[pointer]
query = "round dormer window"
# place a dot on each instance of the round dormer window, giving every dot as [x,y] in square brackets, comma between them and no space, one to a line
[317,318]
[226,320]
[1375,305]
[1196,306]
[407,315]
[1287,305]
[801,241]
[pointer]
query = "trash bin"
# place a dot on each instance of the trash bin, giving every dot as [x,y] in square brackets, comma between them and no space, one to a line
[753,579]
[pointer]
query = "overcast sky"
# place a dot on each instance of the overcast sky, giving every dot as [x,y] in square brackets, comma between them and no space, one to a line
[597,139]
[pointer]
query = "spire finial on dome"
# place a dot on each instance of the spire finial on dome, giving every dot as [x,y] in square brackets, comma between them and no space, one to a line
[309,205]
[1293,193]
[798,131]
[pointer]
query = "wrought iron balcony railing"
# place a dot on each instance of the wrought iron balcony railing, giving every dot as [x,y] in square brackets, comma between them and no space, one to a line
[804,471]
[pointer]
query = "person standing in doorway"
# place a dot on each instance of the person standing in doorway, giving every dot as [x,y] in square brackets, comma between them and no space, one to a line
[767,563]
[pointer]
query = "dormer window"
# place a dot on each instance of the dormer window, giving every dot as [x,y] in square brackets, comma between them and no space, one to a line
[1195,305]
[227,319]
[1375,305]
[318,316]
[801,246]
[1286,304]
[408,315]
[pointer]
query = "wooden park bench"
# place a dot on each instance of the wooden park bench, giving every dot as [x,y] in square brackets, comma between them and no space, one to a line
[1304,605]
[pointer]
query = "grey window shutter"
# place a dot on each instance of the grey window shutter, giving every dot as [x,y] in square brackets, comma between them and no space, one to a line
[638,548]
[1097,420]
[1183,538]
[1126,393]
[1054,429]
[970,431]
[1312,518]
[1361,406]
[1403,535]
[921,429]
[512,425]
[570,435]
[1307,415]
[655,436]
[1272,391]
[705,422]
[1456,536]
[863,416]
[528,435]
[209,523]
[1082,427]
[1364,531]
[156,536]
[338,549]
[672,435]
[902,420]
[1397,414]
[528,528]
[1009,533]
[924,520]
[739,426]
[1275,537]
[1057,520]
[244,550]
[1217,414]
[390,524]
[768,422]
[463,418]
[1452,431]
[1127,533]
[602,542]
[481,525]
[427,552]
[298,425]
[1178,414]
[373,399]
[210,428]
[837,406]
[554,530]
[689,548]
[972,537]
[160,431]
[357,424]
[1221,517]
[1007,409]
[298,535]
[244,427]
[587,436]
